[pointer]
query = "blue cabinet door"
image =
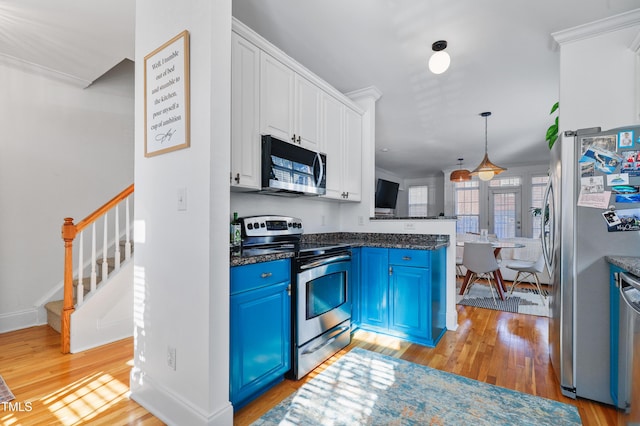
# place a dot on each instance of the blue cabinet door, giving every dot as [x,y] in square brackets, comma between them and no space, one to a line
[260,337]
[410,301]
[375,288]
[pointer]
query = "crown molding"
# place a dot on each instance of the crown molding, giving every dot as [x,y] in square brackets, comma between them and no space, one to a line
[592,29]
[30,67]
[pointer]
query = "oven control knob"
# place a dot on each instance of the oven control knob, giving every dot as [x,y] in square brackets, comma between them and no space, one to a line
[290,224]
[250,226]
[256,225]
[262,225]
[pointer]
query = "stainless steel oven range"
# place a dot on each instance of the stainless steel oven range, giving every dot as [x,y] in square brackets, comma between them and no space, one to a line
[320,302]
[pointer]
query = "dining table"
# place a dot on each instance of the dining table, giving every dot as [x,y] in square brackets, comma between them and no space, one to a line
[497,245]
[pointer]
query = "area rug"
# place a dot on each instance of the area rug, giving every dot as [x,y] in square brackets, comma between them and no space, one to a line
[5,393]
[368,388]
[523,300]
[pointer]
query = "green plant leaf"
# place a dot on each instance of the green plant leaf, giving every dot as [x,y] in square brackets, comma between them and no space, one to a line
[554,108]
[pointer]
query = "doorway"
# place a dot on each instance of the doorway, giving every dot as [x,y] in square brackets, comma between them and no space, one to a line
[505,212]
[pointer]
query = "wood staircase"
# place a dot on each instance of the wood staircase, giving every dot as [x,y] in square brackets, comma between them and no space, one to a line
[54,308]
[75,285]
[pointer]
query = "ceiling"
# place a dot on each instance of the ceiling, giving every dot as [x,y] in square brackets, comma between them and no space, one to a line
[503,60]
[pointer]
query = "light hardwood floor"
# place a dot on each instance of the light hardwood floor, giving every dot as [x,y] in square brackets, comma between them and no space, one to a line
[508,350]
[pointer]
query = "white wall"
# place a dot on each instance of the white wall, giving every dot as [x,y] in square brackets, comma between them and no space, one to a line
[65,151]
[317,214]
[181,274]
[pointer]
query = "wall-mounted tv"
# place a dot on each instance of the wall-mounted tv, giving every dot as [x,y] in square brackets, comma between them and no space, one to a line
[386,194]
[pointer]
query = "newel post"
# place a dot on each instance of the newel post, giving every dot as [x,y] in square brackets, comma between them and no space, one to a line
[68,235]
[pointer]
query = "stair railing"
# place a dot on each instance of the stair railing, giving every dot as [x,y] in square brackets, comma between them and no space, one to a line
[69,233]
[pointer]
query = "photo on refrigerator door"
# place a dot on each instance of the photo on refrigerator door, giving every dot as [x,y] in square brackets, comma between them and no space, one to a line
[629,220]
[604,161]
[625,139]
[630,163]
[605,143]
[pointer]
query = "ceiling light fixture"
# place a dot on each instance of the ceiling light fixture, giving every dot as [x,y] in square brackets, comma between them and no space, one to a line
[440,60]
[486,170]
[460,175]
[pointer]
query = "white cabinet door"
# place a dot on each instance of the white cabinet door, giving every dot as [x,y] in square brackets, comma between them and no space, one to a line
[307,114]
[353,155]
[276,98]
[245,95]
[332,143]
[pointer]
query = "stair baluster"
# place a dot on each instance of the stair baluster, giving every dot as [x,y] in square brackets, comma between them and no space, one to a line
[105,264]
[94,274]
[116,253]
[80,286]
[127,242]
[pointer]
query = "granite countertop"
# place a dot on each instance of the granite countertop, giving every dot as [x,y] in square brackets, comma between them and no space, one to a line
[355,239]
[384,217]
[628,263]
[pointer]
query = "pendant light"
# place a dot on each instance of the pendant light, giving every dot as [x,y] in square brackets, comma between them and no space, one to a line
[440,60]
[460,175]
[486,170]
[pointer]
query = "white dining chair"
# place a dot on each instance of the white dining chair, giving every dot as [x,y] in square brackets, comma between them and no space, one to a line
[527,269]
[480,260]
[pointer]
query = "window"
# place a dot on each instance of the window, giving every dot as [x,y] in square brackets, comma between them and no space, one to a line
[538,185]
[418,201]
[467,206]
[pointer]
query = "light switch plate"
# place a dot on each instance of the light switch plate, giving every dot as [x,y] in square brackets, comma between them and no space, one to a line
[182,199]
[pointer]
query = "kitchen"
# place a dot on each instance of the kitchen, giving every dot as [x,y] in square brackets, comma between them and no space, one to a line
[193,303]
[322,220]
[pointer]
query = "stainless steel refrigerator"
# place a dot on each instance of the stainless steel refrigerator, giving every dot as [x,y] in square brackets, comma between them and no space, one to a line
[580,230]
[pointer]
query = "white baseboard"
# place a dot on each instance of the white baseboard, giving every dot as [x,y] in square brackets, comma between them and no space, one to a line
[22,319]
[171,408]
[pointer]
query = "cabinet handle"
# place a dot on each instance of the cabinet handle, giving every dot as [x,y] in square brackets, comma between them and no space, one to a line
[406,258]
[390,270]
[299,140]
[266,274]
[346,194]
[289,289]
[293,138]
[237,177]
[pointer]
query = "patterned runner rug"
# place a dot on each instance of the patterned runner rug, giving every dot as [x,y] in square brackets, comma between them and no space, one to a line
[523,301]
[365,387]
[5,393]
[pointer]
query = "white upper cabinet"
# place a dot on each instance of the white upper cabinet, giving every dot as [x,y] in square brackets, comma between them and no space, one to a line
[342,139]
[276,98]
[332,141]
[307,114]
[273,95]
[353,155]
[290,105]
[245,107]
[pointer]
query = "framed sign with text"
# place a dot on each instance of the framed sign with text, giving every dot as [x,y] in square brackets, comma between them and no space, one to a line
[166,97]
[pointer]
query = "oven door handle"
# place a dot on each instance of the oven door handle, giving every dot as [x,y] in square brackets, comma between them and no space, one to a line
[329,341]
[326,261]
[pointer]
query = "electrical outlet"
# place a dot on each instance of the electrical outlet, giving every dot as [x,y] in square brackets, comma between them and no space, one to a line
[323,221]
[360,220]
[171,357]
[409,226]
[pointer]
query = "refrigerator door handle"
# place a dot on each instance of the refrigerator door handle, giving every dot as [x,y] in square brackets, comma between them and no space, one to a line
[544,237]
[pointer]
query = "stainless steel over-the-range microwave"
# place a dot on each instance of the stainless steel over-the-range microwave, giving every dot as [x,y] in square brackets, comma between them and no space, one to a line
[289,169]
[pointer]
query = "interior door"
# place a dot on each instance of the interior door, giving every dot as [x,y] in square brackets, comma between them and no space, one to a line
[505,212]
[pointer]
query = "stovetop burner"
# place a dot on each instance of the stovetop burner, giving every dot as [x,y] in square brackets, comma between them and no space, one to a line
[264,235]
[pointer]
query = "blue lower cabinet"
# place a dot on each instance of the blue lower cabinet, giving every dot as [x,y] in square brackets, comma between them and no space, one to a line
[409,312]
[374,289]
[260,322]
[402,293]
